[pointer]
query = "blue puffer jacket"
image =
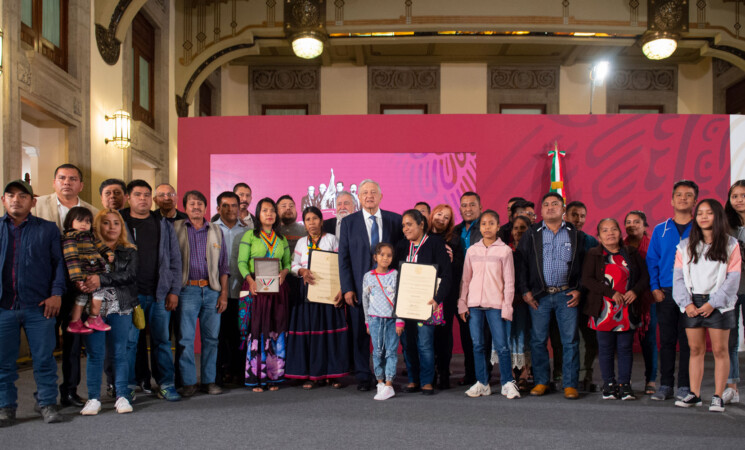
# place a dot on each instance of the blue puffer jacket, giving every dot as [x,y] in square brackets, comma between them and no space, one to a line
[41,268]
[169,257]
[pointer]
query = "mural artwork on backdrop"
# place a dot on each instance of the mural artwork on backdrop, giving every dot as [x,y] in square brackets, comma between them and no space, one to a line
[316,179]
[613,163]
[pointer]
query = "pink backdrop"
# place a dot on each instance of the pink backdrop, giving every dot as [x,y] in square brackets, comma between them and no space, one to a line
[614,162]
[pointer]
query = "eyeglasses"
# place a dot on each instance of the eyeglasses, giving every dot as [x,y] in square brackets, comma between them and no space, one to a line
[163,195]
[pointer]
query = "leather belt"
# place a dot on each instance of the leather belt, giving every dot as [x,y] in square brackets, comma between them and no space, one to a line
[555,289]
[200,283]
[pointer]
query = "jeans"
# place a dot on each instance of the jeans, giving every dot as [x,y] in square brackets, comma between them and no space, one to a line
[420,362]
[158,319]
[566,319]
[198,302]
[385,347]
[40,334]
[649,346]
[118,342]
[500,332]
[610,343]
[671,333]
[734,344]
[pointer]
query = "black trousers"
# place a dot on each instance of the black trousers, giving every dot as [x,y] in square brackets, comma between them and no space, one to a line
[71,349]
[359,348]
[672,332]
[229,360]
[444,344]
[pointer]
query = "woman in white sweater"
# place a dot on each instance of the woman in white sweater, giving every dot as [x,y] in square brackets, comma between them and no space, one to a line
[705,281]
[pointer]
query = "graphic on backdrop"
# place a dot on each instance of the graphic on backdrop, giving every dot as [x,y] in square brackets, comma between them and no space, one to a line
[316,179]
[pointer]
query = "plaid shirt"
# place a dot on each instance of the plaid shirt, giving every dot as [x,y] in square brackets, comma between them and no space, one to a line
[557,253]
[84,254]
[198,269]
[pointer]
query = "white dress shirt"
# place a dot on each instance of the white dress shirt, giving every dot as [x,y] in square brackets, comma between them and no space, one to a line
[368,224]
[63,210]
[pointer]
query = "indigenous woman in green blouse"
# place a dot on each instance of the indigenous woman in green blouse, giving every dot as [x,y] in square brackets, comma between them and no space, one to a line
[265,357]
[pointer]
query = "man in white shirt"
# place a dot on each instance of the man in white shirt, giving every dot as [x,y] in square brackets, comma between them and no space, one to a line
[68,182]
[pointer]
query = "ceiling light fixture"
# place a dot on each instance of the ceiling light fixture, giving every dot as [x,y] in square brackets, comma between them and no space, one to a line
[305,26]
[666,19]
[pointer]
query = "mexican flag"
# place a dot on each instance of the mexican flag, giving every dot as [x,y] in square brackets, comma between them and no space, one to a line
[557,171]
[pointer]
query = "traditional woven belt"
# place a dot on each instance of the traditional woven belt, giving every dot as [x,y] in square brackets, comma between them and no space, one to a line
[555,289]
[200,283]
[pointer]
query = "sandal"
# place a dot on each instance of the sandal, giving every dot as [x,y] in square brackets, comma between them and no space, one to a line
[336,385]
[273,387]
[258,389]
[650,389]
[308,385]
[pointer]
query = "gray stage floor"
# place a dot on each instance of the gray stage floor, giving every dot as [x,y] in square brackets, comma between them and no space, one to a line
[326,419]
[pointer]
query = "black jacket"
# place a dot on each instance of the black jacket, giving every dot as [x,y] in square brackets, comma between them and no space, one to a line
[123,278]
[456,271]
[530,273]
[593,278]
[432,252]
[475,234]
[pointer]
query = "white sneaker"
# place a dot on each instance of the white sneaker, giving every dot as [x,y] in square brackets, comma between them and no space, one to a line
[730,396]
[478,390]
[91,408]
[123,406]
[379,387]
[385,393]
[510,390]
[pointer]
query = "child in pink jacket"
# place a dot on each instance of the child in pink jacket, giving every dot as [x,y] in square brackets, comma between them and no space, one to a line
[486,294]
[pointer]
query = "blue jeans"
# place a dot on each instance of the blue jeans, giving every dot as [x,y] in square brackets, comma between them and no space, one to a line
[500,332]
[40,334]
[385,347]
[420,362]
[734,344]
[649,346]
[198,303]
[566,319]
[117,340]
[158,319]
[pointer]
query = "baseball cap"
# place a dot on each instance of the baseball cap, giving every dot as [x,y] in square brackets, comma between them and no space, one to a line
[20,184]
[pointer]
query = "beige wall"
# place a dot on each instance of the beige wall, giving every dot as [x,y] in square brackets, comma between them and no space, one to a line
[343,89]
[574,91]
[107,160]
[696,88]
[234,90]
[463,88]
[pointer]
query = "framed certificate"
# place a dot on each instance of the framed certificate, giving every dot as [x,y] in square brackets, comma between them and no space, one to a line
[325,268]
[267,275]
[416,287]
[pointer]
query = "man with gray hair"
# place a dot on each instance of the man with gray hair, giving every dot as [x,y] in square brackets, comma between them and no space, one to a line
[344,207]
[359,234]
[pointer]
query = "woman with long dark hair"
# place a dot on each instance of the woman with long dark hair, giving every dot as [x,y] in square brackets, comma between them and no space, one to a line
[442,223]
[615,277]
[735,210]
[317,341]
[705,282]
[420,247]
[267,312]
[636,226]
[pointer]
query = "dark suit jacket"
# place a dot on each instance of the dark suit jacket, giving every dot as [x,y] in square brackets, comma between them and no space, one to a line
[355,256]
[329,226]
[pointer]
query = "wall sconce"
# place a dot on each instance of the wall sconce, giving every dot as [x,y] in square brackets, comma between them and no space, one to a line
[1,50]
[666,19]
[305,26]
[120,124]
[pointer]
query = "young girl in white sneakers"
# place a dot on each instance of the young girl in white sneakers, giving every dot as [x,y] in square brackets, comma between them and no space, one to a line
[486,294]
[378,303]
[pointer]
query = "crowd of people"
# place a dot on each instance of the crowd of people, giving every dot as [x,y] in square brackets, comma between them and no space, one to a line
[74,277]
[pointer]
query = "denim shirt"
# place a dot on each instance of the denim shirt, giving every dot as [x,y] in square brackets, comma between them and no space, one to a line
[557,253]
